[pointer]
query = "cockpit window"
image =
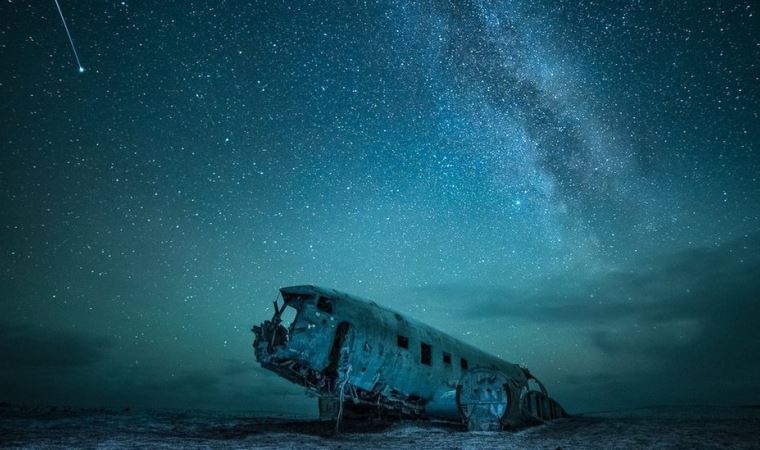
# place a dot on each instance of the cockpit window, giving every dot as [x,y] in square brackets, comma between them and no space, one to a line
[288,316]
[324,304]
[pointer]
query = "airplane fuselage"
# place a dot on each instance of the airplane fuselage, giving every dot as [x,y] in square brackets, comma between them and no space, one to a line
[370,360]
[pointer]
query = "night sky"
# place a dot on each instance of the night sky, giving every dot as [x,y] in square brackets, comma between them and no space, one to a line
[572,186]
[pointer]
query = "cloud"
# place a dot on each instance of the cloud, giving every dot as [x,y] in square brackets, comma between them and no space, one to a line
[682,327]
[43,366]
[27,347]
[708,284]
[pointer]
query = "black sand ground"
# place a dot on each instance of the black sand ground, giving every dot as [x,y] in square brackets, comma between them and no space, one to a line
[702,427]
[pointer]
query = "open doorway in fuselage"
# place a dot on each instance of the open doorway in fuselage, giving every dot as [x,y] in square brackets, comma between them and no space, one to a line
[334,358]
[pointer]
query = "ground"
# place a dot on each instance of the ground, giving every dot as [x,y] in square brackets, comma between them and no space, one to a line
[702,427]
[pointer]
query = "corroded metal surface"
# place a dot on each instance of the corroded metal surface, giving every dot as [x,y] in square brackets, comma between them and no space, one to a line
[362,360]
[483,399]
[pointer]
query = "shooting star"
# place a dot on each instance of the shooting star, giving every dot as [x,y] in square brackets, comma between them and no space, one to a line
[71,41]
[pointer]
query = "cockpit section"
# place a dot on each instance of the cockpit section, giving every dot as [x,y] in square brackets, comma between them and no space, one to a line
[297,341]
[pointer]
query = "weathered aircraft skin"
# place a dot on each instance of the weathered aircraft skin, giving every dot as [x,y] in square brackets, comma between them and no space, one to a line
[363,360]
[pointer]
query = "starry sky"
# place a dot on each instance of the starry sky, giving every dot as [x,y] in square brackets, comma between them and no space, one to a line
[572,186]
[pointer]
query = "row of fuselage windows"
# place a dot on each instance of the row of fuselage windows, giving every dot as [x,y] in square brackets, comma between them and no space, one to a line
[426,353]
[324,304]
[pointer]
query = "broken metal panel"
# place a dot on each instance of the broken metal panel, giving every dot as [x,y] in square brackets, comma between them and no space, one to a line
[484,399]
[371,360]
[310,335]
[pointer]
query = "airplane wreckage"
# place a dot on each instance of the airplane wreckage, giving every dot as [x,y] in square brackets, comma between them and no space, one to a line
[363,360]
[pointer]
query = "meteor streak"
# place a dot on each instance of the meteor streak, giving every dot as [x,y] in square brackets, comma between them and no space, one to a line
[68,33]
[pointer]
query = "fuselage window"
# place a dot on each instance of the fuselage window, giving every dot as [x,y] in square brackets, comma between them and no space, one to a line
[447,358]
[324,304]
[426,354]
[402,341]
[464,363]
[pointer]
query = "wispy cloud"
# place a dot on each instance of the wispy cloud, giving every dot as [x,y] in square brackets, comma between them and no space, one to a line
[689,319]
[23,346]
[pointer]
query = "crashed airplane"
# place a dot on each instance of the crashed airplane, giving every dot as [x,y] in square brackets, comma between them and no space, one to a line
[363,360]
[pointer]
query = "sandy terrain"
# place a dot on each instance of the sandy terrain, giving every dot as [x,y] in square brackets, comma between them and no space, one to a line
[658,428]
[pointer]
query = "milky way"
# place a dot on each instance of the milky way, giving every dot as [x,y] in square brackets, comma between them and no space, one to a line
[568,185]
